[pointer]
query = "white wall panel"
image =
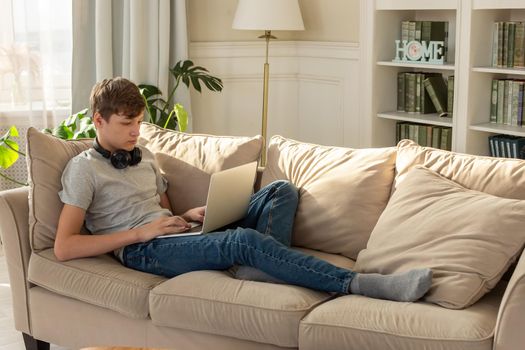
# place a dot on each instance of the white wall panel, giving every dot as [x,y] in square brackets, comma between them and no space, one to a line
[312,93]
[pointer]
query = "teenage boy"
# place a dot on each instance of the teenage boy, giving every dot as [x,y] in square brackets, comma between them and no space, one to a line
[117,190]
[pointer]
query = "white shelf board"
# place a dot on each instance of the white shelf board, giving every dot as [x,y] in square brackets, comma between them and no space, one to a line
[500,4]
[432,119]
[447,66]
[416,5]
[515,71]
[499,129]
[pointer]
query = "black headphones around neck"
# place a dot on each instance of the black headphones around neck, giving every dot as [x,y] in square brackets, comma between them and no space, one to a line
[121,158]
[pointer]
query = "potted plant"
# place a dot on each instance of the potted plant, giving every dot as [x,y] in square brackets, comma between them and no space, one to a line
[165,113]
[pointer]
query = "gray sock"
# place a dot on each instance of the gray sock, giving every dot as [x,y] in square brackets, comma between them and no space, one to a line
[406,286]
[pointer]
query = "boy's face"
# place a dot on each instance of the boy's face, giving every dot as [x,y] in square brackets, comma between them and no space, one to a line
[120,132]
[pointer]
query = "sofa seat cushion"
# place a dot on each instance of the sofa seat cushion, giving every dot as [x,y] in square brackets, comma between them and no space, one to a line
[214,302]
[357,322]
[101,281]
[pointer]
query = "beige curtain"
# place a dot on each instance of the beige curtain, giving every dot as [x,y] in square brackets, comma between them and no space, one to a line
[136,39]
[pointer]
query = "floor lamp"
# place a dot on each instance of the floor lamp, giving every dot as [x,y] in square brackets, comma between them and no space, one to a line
[267,15]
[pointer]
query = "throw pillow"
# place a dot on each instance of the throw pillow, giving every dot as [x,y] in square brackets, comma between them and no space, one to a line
[342,191]
[468,238]
[502,177]
[188,160]
[47,156]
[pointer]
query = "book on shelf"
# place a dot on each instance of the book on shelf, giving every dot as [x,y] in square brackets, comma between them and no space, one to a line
[507,146]
[418,93]
[520,103]
[438,31]
[500,43]
[508,44]
[506,104]
[424,32]
[436,136]
[514,103]
[507,117]
[519,45]
[494,102]
[401,92]
[510,47]
[450,95]
[437,90]
[412,96]
[404,30]
[501,97]
[495,44]
[491,146]
[505,44]
[425,135]
[446,139]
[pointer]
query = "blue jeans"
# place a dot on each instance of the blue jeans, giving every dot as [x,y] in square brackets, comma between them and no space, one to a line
[261,240]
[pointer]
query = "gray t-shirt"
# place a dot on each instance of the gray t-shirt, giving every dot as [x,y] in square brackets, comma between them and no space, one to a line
[114,199]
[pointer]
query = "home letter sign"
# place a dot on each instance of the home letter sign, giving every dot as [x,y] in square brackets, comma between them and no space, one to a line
[414,51]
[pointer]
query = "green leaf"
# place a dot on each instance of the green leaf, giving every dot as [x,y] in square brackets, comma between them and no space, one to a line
[182,116]
[149,90]
[84,124]
[196,84]
[8,153]
[12,132]
[186,81]
[63,132]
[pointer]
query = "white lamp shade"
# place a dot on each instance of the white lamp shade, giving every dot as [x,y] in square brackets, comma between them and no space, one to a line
[268,15]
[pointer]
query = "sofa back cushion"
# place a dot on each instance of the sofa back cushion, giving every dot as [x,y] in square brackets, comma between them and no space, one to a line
[342,191]
[468,238]
[188,160]
[502,177]
[47,156]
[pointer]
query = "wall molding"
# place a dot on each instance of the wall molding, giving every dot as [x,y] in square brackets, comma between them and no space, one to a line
[313,49]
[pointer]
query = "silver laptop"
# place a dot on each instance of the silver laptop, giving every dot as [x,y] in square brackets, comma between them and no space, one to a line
[228,199]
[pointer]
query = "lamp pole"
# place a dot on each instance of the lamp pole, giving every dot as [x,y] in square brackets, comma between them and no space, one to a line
[267,35]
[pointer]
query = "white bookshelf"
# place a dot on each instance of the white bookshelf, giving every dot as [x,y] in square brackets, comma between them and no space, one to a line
[469,60]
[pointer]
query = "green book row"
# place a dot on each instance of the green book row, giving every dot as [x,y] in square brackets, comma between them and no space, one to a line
[425,135]
[507,146]
[508,44]
[506,103]
[425,93]
[425,31]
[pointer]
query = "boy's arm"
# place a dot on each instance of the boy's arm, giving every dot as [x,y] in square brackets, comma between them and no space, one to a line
[195,214]
[165,202]
[70,244]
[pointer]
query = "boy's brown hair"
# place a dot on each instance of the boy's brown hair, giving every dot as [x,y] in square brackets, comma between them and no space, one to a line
[116,96]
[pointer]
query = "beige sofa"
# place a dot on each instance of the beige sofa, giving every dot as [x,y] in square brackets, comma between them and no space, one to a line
[97,301]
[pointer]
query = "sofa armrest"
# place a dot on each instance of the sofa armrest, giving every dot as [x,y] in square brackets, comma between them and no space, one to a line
[509,334]
[14,232]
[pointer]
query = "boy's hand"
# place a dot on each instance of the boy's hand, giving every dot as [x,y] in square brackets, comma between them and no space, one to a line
[195,214]
[162,226]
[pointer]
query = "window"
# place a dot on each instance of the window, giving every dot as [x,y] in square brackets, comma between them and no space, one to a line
[35,55]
